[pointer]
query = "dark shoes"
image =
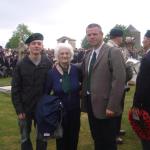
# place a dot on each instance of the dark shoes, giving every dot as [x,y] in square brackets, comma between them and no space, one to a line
[119,140]
[122,132]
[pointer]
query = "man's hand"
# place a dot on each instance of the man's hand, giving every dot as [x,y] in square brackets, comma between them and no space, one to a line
[109,113]
[21,116]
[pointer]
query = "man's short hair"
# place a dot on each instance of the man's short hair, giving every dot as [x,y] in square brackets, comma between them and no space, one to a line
[92,25]
[34,36]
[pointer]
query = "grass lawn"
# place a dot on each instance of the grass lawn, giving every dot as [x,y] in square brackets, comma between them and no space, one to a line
[9,133]
[5,81]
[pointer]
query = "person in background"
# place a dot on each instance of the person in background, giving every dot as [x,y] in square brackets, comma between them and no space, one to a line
[116,39]
[142,91]
[27,88]
[64,80]
[129,44]
[102,90]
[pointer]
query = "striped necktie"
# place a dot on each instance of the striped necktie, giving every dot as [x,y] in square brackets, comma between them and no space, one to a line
[93,60]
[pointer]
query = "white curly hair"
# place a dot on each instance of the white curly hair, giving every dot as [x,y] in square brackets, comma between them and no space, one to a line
[63,46]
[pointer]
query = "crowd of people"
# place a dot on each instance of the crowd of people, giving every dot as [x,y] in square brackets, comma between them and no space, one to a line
[8,60]
[92,81]
[9,57]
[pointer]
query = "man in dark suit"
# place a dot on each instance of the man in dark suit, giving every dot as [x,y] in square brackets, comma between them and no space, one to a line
[142,95]
[102,89]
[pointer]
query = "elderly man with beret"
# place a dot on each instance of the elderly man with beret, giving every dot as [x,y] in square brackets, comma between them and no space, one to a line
[116,39]
[27,88]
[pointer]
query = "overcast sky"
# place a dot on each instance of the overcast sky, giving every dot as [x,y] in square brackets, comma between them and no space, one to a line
[56,18]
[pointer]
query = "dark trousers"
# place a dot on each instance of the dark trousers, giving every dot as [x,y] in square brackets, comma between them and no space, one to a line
[71,127]
[103,130]
[25,130]
[145,145]
[119,118]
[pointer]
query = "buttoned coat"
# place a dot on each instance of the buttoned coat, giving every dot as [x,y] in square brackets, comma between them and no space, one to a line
[142,95]
[106,87]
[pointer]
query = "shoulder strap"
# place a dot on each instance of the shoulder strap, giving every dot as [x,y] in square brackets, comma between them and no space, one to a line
[109,60]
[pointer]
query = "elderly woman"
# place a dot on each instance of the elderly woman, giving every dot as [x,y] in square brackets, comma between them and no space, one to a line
[64,81]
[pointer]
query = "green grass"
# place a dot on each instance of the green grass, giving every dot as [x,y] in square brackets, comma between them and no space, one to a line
[5,81]
[9,132]
[131,142]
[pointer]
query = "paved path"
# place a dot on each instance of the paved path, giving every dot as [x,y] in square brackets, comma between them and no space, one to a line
[5,89]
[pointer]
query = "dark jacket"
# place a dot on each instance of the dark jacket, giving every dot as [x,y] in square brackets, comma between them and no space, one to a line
[70,100]
[27,84]
[48,114]
[142,91]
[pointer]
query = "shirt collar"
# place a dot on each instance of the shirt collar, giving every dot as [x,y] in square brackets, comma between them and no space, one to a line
[112,43]
[97,50]
[60,69]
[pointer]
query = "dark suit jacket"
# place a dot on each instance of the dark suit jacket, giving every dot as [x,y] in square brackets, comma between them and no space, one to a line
[106,88]
[142,92]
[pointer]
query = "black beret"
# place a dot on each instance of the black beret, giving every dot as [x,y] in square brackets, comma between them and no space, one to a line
[115,32]
[34,36]
[147,34]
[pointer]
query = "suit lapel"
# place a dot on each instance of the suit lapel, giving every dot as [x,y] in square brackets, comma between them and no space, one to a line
[100,55]
[87,61]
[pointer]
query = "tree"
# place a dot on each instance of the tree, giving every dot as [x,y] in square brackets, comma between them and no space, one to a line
[85,43]
[19,35]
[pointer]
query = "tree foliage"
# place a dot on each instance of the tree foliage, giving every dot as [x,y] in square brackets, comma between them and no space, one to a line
[21,33]
[85,43]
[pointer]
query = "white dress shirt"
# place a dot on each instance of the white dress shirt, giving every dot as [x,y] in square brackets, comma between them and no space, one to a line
[97,53]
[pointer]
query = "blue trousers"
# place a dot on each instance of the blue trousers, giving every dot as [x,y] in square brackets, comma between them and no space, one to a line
[25,130]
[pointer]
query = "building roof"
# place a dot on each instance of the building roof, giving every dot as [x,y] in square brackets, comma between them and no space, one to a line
[131,28]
